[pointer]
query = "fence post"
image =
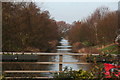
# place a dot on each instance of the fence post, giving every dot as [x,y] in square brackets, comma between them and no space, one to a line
[60,60]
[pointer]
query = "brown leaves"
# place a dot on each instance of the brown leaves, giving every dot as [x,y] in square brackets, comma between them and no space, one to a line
[27,27]
[103,32]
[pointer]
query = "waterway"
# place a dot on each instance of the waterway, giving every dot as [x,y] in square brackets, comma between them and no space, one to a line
[64,47]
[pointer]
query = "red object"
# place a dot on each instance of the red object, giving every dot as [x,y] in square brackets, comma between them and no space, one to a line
[110,68]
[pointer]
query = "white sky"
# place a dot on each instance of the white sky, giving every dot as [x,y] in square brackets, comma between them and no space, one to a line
[61,0]
[71,10]
[74,11]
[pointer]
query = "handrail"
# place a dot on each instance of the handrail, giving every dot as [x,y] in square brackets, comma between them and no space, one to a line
[39,54]
[41,78]
[46,62]
[29,71]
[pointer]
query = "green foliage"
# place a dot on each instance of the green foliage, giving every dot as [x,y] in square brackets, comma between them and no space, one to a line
[2,77]
[97,70]
[109,47]
[100,58]
[72,74]
[87,43]
[113,49]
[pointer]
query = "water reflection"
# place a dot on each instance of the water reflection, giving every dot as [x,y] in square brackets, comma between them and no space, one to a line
[63,48]
[66,48]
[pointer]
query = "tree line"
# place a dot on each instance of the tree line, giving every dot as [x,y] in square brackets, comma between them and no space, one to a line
[26,27]
[97,29]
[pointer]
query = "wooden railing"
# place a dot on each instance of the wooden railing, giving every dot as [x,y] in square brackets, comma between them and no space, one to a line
[47,54]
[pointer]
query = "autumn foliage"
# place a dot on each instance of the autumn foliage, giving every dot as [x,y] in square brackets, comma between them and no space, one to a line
[97,29]
[26,26]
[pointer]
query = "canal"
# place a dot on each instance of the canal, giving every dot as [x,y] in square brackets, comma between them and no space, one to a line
[64,47]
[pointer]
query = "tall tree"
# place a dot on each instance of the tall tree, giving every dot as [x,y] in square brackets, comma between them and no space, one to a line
[25,25]
[99,28]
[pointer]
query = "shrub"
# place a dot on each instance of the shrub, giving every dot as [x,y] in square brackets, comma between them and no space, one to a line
[87,43]
[72,74]
[100,58]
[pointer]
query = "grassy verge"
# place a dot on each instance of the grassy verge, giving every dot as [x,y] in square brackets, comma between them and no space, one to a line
[111,49]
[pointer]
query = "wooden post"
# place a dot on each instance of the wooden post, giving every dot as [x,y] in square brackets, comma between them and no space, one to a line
[60,64]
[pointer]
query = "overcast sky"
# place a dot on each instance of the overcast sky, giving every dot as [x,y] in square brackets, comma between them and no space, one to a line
[74,11]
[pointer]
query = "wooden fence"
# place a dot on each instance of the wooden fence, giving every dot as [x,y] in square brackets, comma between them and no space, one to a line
[46,54]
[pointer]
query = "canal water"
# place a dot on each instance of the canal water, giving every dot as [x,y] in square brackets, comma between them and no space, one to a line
[64,47]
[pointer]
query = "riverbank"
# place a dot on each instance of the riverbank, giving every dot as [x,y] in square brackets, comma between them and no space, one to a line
[99,49]
[49,49]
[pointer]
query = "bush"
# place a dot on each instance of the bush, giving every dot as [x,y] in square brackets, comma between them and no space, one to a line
[76,46]
[112,49]
[100,58]
[69,74]
[86,43]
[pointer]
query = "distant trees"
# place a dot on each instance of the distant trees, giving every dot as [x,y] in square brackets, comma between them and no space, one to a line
[26,26]
[99,28]
[63,28]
